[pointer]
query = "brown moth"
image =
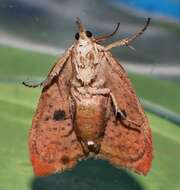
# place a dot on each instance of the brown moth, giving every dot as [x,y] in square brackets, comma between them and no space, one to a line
[88,107]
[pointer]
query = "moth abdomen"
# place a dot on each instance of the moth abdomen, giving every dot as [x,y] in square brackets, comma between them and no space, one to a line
[90,119]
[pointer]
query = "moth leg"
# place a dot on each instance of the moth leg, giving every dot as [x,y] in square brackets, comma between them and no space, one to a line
[45,82]
[75,83]
[98,84]
[97,148]
[118,112]
[84,147]
[32,85]
[55,71]
[107,91]
[99,91]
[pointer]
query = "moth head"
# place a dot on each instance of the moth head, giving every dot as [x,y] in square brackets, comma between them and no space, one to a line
[86,36]
[83,35]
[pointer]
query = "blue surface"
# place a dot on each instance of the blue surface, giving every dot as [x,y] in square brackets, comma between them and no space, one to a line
[170,8]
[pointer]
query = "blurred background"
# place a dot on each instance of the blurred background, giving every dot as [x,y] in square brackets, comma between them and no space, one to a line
[34,33]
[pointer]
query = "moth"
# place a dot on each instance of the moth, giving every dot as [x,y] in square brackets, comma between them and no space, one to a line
[88,107]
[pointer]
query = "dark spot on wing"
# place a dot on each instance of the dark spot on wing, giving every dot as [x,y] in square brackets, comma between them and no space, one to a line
[59,115]
[47,118]
[65,159]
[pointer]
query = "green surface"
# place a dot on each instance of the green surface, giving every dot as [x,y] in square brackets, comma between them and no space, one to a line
[15,62]
[164,93]
[17,104]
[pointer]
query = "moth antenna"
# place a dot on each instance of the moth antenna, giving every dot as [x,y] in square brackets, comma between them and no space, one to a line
[32,85]
[127,41]
[79,24]
[104,37]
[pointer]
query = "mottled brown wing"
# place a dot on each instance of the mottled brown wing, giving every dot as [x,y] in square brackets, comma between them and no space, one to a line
[52,142]
[126,144]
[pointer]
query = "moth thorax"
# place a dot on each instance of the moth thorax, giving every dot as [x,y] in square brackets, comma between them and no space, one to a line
[86,67]
[86,60]
[84,46]
[86,74]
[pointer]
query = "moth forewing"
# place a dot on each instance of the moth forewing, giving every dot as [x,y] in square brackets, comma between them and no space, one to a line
[53,143]
[132,141]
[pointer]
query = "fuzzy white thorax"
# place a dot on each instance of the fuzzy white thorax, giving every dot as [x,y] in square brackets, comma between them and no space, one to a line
[85,60]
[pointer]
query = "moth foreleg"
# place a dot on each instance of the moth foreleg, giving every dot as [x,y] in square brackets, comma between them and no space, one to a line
[98,84]
[120,113]
[49,79]
[100,91]
[55,71]
[32,85]
[107,91]
[43,83]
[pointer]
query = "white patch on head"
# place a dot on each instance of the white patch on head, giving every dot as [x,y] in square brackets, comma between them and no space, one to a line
[90,143]
[84,46]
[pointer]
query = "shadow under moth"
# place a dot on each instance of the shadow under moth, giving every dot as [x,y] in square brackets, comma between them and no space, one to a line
[88,107]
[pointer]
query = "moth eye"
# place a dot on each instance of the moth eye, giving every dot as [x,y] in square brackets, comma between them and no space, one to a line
[77,36]
[88,34]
